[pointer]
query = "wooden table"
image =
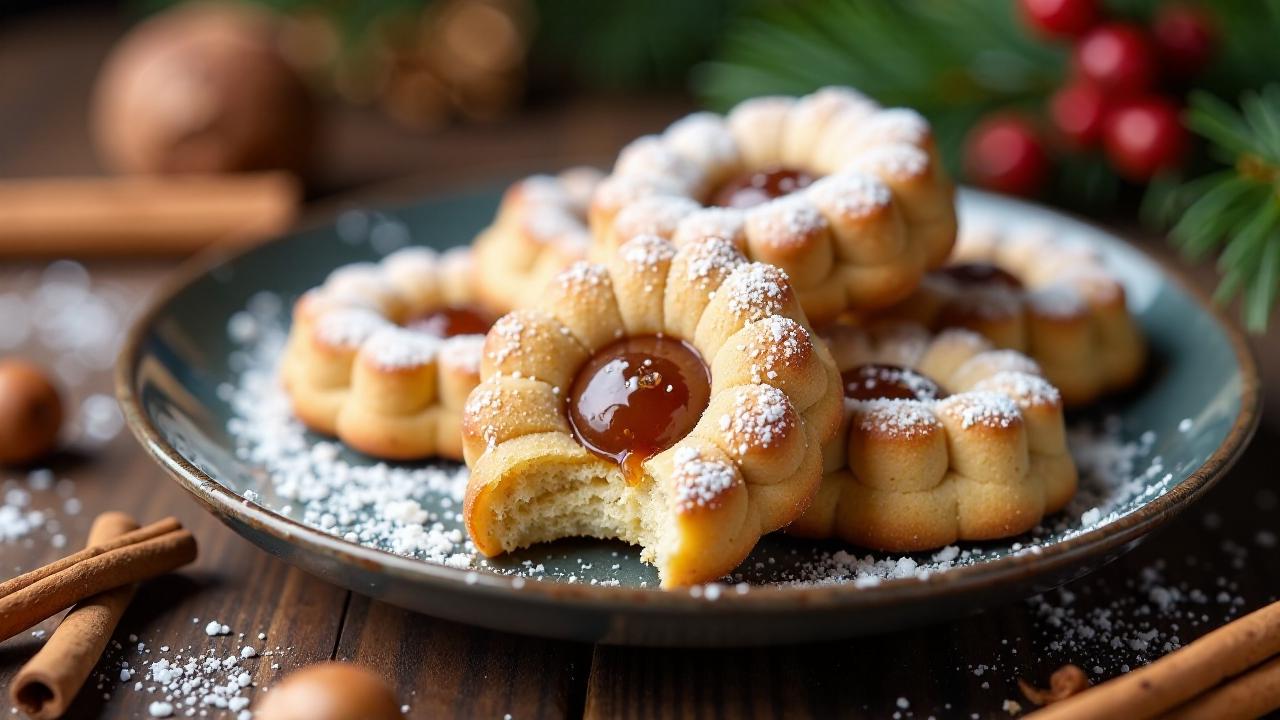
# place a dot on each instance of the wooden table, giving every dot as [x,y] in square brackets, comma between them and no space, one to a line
[442,669]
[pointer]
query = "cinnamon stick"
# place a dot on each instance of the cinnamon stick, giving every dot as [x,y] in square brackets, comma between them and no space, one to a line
[1250,695]
[1181,675]
[139,214]
[100,571]
[155,529]
[46,685]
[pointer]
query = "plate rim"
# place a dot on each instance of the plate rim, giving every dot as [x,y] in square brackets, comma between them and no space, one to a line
[227,505]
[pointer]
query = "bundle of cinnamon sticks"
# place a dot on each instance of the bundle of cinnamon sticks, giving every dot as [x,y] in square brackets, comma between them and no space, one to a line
[99,581]
[1232,672]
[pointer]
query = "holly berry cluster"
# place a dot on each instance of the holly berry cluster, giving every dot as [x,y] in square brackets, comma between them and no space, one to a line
[1122,96]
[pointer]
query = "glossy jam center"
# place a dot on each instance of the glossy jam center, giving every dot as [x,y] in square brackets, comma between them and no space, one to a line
[760,186]
[453,320]
[888,382]
[981,273]
[637,397]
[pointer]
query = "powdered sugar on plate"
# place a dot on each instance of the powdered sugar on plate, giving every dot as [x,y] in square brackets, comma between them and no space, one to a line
[409,510]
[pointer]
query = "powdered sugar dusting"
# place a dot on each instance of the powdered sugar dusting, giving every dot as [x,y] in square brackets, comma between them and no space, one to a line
[505,338]
[759,417]
[549,223]
[895,417]
[757,290]
[704,139]
[1025,388]
[1057,300]
[713,222]
[412,262]
[582,274]
[980,408]
[785,342]
[210,677]
[396,348]
[462,352]
[896,161]
[647,251]
[699,482]
[310,479]
[348,327]
[791,220]
[709,261]
[895,125]
[992,361]
[653,215]
[649,156]
[851,194]
[617,191]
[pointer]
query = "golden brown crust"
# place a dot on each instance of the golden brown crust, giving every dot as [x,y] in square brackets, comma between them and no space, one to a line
[987,461]
[1070,316]
[750,465]
[387,391]
[860,237]
[539,230]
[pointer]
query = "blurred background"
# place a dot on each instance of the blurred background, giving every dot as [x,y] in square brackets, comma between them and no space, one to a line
[1159,111]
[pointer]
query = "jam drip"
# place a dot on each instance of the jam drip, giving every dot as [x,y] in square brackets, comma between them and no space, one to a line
[637,397]
[760,186]
[453,320]
[976,274]
[888,382]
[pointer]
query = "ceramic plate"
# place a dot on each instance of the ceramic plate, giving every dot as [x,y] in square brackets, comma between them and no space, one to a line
[197,385]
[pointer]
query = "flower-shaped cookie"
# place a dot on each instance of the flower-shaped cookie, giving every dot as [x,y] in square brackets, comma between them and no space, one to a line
[674,399]
[947,439]
[845,196]
[1051,297]
[540,229]
[383,355]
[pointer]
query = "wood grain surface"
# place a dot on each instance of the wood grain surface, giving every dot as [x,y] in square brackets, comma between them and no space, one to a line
[967,668]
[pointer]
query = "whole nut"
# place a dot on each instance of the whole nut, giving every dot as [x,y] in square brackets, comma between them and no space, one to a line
[202,88]
[30,413]
[330,691]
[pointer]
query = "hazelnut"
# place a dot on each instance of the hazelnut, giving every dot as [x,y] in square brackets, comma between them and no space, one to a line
[30,413]
[330,691]
[202,88]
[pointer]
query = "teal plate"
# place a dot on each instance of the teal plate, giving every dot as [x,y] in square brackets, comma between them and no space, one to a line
[195,381]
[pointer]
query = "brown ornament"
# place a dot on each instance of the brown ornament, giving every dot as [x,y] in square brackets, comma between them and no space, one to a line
[30,413]
[330,691]
[202,89]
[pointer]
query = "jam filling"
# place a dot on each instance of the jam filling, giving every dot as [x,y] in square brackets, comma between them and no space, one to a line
[972,274]
[888,382]
[637,397]
[453,320]
[760,186]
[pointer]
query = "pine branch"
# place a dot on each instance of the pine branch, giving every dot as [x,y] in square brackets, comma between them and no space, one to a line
[1236,211]
[954,61]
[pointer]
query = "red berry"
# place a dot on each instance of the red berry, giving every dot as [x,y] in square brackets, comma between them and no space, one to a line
[1143,137]
[1077,112]
[1060,18]
[1004,153]
[1184,36]
[1118,58]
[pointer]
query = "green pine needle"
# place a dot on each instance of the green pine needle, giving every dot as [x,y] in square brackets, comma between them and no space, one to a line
[1237,211]
[953,61]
